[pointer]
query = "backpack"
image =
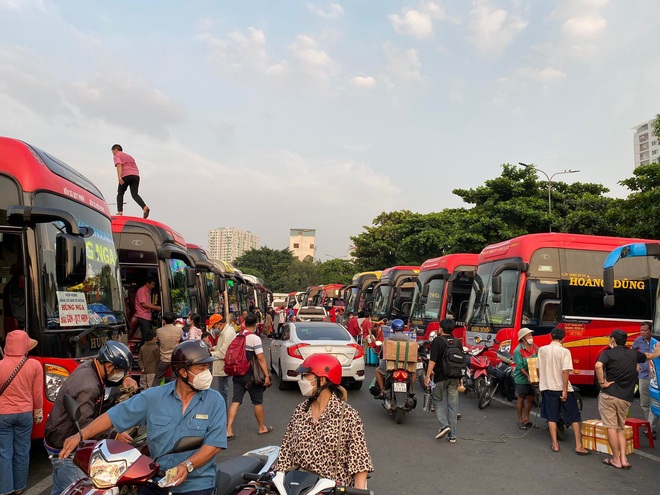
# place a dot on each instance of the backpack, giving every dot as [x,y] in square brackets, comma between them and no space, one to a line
[236,361]
[453,359]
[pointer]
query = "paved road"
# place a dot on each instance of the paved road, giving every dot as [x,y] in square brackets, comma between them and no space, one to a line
[491,456]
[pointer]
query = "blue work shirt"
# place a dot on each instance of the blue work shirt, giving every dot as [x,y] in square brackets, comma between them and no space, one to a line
[160,408]
[641,345]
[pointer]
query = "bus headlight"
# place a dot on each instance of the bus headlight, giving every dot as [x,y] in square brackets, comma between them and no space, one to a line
[55,377]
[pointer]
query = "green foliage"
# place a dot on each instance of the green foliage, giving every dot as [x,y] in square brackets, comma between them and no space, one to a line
[639,214]
[336,271]
[656,126]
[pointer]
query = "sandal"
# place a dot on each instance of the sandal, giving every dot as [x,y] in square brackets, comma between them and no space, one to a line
[522,425]
[552,447]
[608,462]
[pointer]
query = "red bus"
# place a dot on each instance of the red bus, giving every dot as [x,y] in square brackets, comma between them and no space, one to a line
[541,281]
[146,248]
[359,296]
[330,296]
[210,281]
[394,292]
[58,269]
[442,290]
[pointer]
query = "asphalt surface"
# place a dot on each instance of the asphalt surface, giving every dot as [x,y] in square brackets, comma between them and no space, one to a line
[492,454]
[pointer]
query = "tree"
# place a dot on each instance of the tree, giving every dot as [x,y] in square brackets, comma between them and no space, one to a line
[639,214]
[299,276]
[656,126]
[336,271]
[268,264]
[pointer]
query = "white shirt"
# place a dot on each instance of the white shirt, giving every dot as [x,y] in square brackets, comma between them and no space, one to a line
[552,361]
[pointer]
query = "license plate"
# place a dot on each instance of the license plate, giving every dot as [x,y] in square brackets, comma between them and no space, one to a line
[399,386]
[420,365]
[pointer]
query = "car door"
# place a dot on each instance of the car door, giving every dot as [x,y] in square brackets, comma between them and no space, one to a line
[278,346]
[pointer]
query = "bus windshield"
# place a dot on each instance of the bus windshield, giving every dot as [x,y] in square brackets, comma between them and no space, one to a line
[213,296]
[482,310]
[181,304]
[351,299]
[99,297]
[428,307]
[381,300]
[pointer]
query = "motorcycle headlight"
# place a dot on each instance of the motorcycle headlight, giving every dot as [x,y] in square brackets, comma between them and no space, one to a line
[105,473]
[55,376]
[653,377]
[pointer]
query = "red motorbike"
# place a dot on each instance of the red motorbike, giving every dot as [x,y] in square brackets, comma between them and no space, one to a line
[475,376]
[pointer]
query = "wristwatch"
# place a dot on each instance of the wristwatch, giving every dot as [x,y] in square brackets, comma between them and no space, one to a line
[189,466]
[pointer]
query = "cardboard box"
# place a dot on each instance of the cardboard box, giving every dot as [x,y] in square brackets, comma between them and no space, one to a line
[594,437]
[400,353]
[392,365]
[533,371]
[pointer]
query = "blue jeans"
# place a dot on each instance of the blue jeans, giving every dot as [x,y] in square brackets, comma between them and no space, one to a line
[221,383]
[445,400]
[65,472]
[15,433]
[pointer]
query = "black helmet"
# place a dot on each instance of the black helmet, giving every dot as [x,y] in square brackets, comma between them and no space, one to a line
[191,352]
[117,354]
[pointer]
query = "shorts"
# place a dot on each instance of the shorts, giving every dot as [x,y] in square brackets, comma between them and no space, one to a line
[613,411]
[524,390]
[552,406]
[256,392]
[382,367]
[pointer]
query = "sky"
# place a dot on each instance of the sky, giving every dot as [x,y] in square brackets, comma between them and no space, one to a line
[270,115]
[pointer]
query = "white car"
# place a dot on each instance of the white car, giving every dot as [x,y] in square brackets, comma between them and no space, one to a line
[312,313]
[301,339]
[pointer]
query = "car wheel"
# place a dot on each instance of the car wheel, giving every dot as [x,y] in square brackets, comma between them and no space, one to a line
[282,385]
[357,385]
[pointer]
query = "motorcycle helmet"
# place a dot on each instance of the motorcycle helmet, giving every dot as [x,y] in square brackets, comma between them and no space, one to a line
[398,325]
[322,365]
[117,354]
[191,352]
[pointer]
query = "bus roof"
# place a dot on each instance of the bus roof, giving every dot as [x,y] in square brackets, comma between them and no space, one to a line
[449,262]
[157,229]
[394,271]
[358,278]
[35,170]
[227,267]
[202,260]
[524,246]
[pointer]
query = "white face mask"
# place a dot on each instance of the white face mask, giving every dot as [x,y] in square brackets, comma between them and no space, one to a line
[530,341]
[202,381]
[306,387]
[117,377]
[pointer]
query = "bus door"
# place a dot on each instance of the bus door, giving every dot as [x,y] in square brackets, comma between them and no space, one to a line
[12,283]
[132,278]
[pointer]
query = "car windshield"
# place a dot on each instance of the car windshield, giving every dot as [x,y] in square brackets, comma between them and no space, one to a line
[99,298]
[325,332]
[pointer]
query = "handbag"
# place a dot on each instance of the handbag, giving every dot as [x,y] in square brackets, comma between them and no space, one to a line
[258,376]
[13,375]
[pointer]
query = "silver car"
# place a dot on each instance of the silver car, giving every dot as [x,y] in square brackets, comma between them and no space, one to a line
[301,339]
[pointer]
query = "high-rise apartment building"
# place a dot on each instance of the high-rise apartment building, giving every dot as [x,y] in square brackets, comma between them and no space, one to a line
[228,243]
[646,144]
[302,243]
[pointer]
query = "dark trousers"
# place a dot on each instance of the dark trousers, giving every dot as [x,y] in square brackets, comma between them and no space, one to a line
[132,181]
[161,371]
[146,330]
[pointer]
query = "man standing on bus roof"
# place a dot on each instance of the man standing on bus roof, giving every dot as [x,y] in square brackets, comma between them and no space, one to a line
[143,308]
[128,175]
[645,343]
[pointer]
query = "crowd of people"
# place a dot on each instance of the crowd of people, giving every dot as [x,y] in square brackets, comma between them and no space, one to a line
[195,397]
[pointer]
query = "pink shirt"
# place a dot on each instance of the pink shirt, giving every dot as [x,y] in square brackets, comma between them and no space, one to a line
[194,333]
[143,295]
[128,166]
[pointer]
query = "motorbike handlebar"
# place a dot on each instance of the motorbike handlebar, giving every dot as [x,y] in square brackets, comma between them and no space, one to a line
[251,476]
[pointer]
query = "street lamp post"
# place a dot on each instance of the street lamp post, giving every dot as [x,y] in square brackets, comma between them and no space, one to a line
[549,177]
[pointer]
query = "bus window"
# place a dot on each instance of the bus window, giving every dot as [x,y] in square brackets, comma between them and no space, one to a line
[181,304]
[537,308]
[213,303]
[12,278]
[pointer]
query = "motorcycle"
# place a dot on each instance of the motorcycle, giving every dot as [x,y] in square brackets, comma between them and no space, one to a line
[423,356]
[475,376]
[561,424]
[500,377]
[296,482]
[114,467]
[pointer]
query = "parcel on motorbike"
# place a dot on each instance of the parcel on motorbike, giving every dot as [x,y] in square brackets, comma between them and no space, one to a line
[182,408]
[325,435]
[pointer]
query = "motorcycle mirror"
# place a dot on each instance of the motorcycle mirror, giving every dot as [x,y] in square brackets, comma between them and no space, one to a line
[72,409]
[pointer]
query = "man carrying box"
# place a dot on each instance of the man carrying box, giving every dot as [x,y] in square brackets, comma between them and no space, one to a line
[397,334]
[616,371]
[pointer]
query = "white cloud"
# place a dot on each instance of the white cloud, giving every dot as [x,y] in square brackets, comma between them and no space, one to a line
[545,75]
[588,26]
[364,82]
[403,65]
[334,10]
[418,22]
[22,5]
[311,60]
[493,29]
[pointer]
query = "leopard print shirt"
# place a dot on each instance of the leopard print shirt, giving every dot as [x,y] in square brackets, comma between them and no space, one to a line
[313,446]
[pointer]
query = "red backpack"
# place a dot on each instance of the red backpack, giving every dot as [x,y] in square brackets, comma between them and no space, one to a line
[236,361]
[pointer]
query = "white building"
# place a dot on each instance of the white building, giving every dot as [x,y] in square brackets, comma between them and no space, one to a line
[302,243]
[228,243]
[645,142]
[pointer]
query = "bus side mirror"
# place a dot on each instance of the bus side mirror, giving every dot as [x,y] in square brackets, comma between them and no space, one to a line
[191,277]
[608,301]
[71,259]
[497,285]
[425,290]
[220,284]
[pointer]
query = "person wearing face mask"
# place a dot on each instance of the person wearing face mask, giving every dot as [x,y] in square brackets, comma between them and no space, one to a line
[325,418]
[87,386]
[184,407]
[524,390]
